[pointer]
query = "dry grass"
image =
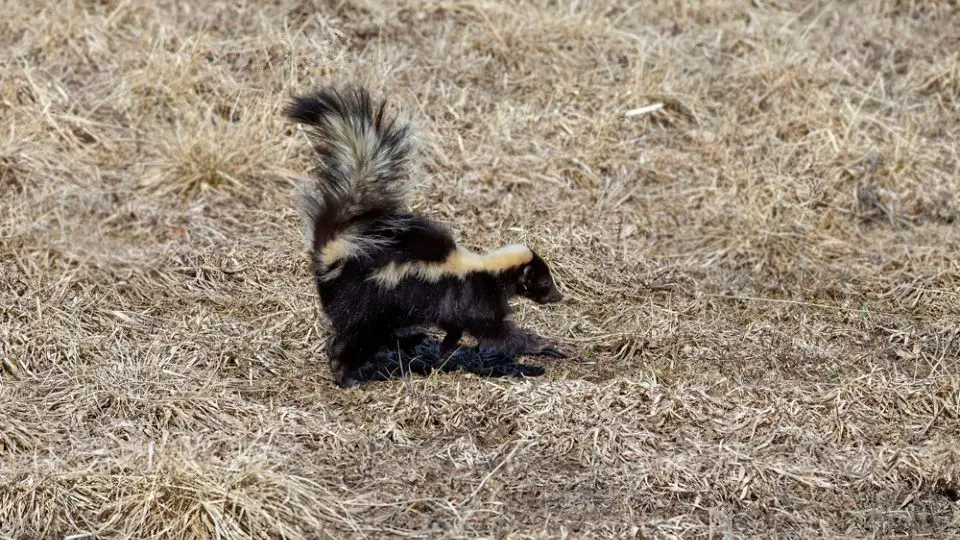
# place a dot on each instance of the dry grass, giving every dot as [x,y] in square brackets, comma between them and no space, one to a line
[762,272]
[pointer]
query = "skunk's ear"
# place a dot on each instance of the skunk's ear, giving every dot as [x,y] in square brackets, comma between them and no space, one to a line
[527,269]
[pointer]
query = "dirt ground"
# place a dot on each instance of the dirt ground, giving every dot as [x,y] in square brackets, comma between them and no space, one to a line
[752,208]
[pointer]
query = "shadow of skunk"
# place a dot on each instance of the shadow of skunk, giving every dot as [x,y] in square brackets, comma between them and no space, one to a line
[420,355]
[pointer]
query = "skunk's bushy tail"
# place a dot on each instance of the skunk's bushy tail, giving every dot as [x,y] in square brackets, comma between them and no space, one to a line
[361,168]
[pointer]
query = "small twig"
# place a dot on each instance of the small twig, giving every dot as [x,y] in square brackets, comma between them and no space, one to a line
[490,474]
[647,109]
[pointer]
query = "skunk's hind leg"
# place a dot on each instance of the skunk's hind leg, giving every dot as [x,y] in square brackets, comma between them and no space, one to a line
[406,339]
[451,340]
[350,348]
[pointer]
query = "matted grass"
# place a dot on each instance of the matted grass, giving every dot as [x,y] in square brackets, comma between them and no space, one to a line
[751,207]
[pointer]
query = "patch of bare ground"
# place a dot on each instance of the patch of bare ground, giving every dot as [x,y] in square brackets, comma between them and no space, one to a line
[751,207]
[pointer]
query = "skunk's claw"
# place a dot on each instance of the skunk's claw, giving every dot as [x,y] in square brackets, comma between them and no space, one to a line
[552,352]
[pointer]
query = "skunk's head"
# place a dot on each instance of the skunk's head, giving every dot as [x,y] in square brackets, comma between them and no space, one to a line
[536,283]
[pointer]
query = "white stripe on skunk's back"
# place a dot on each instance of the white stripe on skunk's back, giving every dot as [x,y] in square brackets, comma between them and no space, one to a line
[341,248]
[460,263]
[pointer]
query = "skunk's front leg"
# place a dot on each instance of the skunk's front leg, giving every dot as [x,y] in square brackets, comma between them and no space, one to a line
[507,338]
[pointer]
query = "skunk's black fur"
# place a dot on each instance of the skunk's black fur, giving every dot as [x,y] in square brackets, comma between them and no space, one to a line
[380,269]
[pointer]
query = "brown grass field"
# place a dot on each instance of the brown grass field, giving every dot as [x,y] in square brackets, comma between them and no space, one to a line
[752,208]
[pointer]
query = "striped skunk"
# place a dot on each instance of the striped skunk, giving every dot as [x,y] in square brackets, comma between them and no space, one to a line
[382,271]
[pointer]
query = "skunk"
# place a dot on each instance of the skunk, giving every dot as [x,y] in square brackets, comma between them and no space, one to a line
[381,270]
